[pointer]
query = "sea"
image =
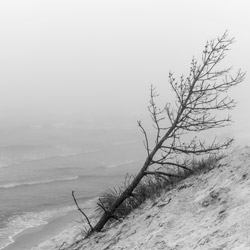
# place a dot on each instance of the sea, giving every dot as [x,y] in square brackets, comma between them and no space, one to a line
[41,165]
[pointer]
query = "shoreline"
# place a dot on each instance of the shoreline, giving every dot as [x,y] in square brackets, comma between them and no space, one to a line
[32,237]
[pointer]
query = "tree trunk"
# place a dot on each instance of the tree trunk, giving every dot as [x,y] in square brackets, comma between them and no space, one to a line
[126,194]
[129,190]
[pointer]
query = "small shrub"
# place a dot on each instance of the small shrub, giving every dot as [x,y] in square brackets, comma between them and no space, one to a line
[206,164]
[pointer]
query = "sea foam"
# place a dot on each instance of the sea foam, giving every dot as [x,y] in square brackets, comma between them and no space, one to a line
[18,223]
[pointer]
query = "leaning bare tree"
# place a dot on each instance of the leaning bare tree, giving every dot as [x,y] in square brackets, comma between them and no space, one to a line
[199,99]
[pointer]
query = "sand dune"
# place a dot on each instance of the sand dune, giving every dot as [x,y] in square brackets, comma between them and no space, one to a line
[206,211]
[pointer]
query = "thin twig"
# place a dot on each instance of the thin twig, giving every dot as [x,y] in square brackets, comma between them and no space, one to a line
[145,135]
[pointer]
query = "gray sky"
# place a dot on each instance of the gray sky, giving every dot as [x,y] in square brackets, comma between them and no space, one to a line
[98,58]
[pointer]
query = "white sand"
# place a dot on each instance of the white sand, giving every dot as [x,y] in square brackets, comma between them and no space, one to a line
[209,211]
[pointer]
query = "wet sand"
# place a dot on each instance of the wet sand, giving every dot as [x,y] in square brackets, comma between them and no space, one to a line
[32,237]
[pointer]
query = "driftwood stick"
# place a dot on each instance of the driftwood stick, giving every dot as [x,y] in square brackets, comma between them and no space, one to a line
[81,211]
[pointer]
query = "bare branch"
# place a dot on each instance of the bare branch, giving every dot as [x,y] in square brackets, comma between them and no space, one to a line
[145,136]
[101,205]
[86,217]
[166,163]
[162,173]
[201,149]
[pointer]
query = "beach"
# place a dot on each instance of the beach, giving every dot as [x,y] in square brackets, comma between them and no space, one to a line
[30,238]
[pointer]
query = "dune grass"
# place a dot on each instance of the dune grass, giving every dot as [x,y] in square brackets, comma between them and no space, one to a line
[149,188]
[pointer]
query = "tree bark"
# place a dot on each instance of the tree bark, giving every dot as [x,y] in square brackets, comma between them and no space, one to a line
[126,193]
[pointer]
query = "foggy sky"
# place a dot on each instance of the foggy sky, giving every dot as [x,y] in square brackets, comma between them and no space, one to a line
[86,59]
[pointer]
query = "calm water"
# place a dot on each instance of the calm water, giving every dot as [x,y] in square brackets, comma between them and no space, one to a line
[40,167]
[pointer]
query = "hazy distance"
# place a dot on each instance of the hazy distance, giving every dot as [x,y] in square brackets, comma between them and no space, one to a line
[65,61]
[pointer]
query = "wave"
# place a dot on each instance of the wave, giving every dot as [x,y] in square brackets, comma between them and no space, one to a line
[18,154]
[18,223]
[92,151]
[15,226]
[126,142]
[17,184]
[3,164]
[119,164]
[15,160]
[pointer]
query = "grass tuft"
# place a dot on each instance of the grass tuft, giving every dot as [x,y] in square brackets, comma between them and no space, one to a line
[150,187]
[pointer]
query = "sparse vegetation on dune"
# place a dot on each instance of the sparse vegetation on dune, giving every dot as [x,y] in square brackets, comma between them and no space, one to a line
[149,188]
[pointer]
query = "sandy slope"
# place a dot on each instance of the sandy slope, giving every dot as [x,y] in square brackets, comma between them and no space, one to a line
[208,211]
